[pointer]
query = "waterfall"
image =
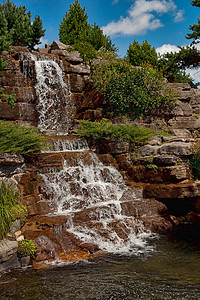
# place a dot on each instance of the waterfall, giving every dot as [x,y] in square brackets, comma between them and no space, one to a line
[97,206]
[93,197]
[64,145]
[54,96]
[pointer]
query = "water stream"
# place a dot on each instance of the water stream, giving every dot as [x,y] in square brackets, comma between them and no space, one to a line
[172,271]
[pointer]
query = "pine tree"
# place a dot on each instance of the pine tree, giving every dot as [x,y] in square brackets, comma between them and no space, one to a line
[195,27]
[17,26]
[74,25]
[75,30]
[140,54]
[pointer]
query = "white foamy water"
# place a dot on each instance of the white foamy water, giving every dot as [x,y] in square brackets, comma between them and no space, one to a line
[64,145]
[54,95]
[92,194]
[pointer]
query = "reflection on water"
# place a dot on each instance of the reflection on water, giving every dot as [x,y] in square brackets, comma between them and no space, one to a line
[172,271]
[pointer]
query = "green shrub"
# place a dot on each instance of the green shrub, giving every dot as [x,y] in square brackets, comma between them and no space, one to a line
[10,208]
[129,90]
[26,248]
[195,160]
[106,130]
[9,98]
[20,139]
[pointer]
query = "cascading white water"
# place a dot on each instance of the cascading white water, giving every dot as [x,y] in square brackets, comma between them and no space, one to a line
[64,145]
[92,195]
[54,95]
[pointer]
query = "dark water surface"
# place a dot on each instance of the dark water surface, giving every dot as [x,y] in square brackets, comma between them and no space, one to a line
[171,271]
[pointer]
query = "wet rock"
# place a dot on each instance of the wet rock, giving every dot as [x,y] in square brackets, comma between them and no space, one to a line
[157,224]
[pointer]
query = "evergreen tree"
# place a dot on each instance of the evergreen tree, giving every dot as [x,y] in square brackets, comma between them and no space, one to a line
[74,26]
[97,39]
[140,54]
[18,30]
[195,27]
[75,30]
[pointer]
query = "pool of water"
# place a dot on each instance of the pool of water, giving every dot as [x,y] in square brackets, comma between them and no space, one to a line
[170,271]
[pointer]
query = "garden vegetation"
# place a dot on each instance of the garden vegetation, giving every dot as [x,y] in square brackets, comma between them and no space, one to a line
[20,139]
[10,208]
[107,130]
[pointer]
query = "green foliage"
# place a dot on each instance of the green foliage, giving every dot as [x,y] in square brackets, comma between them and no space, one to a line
[106,130]
[141,54]
[85,38]
[173,65]
[195,27]
[130,90]
[195,160]
[9,98]
[10,208]
[20,139]
[26,248]
[16,27]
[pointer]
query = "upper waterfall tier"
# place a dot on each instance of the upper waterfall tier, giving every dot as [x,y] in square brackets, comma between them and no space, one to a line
[53,92]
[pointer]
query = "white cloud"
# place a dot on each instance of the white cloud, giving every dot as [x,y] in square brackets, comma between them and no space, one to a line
[193,72]
[43,42]
[115,1]
[142,17]
[179,16]
[167,48]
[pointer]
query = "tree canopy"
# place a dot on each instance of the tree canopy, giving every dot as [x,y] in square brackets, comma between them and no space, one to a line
[195,27]
[75,30]
[140,54]
[16,27]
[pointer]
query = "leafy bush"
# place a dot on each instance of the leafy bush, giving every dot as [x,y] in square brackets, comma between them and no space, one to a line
[130,90]
[9,98]
[97,130]
[10,208]
[20,139]
[195,160]
[26,248]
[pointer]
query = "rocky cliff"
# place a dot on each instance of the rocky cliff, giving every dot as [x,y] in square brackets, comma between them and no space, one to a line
[158,174]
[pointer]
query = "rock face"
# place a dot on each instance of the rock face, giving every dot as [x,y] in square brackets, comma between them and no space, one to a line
[8,255]
[21,78]
[73,197]
[156,177]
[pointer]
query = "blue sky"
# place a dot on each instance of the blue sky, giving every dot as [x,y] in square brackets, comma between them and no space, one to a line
[164,23]
[161,22]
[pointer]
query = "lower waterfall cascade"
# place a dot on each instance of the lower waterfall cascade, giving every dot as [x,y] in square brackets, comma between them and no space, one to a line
[94,199]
